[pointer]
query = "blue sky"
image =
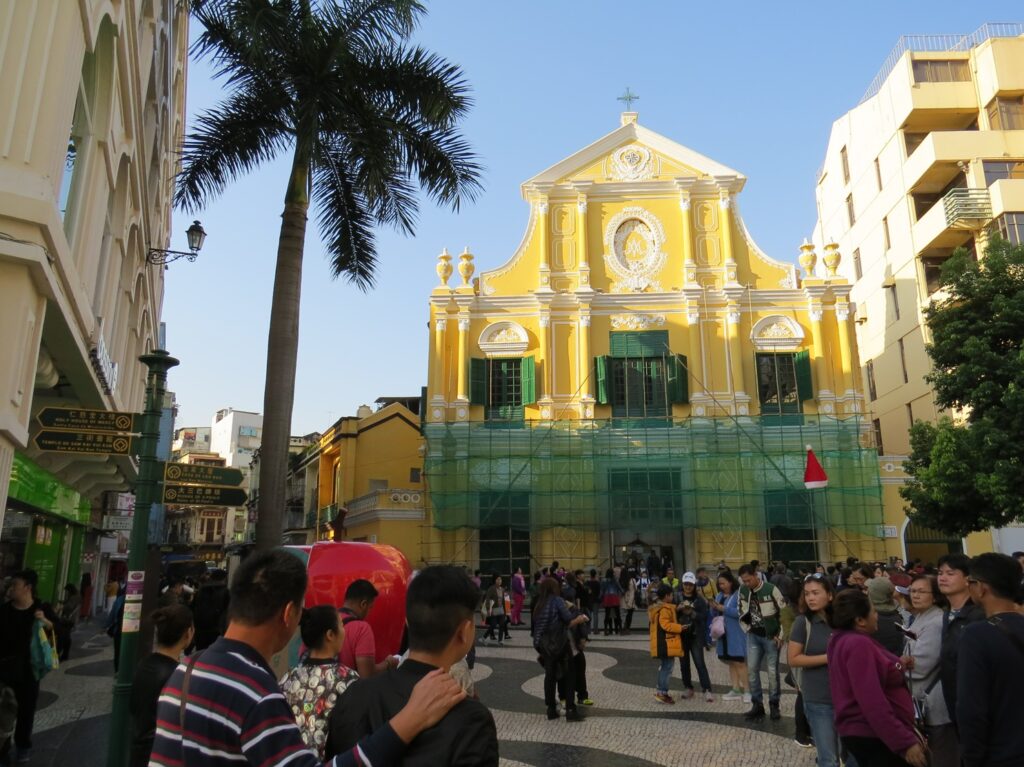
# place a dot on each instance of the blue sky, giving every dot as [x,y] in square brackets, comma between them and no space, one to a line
[754,86]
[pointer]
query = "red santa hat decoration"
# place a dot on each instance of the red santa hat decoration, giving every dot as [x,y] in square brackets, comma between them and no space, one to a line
[814,476]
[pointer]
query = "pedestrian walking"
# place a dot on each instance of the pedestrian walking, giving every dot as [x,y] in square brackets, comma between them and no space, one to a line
[67,614]
[518,588]
[551,626]
[629,593]
[494,612]
[611,601]
[760,607]
[732,642]
[694,613]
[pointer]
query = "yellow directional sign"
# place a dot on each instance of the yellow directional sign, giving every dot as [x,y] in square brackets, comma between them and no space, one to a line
[81,419]
[99,443]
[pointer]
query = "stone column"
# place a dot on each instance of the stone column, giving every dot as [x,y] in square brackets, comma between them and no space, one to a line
[543,244]
[462,376]
[544,357]
[581,242]
[818,339]
[732,321]
[695,358]
[845,347]
[583,364]
[440,394]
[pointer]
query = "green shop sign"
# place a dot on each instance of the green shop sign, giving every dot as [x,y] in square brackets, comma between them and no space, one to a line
[37,487]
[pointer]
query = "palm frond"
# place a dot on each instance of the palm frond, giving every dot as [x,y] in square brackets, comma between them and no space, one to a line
[228,141]
[345,218]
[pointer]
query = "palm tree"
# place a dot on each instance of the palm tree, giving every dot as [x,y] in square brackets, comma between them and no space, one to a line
[369,119]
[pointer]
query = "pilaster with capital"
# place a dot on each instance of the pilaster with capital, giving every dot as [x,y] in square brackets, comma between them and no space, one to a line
[584,364]
[437,382]
[462,377]
[725,215]
[694,360]
[543,356]
[581,235]
[732,324]
[815,308]
[845,343]
[543,244]
[686,217]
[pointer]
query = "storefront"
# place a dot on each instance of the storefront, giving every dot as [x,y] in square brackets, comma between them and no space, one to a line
[44,528]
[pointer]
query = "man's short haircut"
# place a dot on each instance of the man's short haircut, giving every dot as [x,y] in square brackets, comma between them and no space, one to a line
[1017,554]
[663,591]
[960,562]
[439,599]
[264,584]
[1000,572]
[29,577]
[361,590]
[746,570]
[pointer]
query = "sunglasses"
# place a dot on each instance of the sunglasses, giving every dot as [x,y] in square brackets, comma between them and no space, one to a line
[814,577]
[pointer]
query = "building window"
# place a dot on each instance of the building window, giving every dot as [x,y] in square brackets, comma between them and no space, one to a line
[910,415]
[894,302]
[932,266]
[503,386]
[247,431]
[504,532]
[912,141]
[878,175]
[844,159]
[877,426]
[997,171]
[869,368]
[645,495]
[858,269]
[789,519]
[641,377]
[415,475]
[1011,227]
[778,388]
[1006,113]
[378,485]
[886,242]
[942,71]
[211,529]
[903,361]
[851,216]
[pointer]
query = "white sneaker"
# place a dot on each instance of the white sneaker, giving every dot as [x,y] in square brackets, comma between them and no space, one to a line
[747,698]
[733,695]
[708,697]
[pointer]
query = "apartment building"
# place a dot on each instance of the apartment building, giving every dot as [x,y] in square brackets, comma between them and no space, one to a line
[930,160]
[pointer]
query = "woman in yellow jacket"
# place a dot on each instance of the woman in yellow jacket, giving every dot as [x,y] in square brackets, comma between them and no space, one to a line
[666,638]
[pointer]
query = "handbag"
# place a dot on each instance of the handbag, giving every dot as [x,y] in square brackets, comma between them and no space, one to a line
[717,627]
[43,650]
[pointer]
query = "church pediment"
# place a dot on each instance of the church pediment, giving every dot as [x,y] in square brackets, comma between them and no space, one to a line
[632,154]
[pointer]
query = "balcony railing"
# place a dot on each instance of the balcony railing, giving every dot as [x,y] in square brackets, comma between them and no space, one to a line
[967,208]
[392,499]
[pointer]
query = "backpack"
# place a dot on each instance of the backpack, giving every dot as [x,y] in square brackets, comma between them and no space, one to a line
[554,641]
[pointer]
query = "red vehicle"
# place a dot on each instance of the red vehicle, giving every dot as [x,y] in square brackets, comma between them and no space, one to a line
[333,566]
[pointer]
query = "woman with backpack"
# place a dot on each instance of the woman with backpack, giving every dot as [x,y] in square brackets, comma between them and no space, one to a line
[551,623]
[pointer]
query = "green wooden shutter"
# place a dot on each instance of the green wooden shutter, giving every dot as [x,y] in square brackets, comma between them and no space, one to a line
[477,381]
[804,383]
[678,381]
[528,380]
[601,380]
[632,343]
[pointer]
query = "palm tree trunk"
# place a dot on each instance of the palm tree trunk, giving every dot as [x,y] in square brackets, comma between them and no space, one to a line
[282,350]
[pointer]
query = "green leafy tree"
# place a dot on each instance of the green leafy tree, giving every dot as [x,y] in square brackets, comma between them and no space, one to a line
[370,122]
[968,474]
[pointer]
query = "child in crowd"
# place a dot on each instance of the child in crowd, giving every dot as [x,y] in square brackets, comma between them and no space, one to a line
[666,638]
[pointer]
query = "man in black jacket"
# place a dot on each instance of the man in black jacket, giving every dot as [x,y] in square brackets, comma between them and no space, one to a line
[439,613]
[954,570]
[990,671]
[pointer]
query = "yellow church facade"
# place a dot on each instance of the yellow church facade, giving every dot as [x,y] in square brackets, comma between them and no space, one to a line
[638,376]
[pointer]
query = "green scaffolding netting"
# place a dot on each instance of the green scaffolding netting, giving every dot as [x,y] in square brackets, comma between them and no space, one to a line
[653,474]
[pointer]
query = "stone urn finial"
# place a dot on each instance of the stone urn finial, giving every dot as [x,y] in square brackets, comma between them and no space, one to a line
[832,258]
[466,267]
[444,266]
[808,258]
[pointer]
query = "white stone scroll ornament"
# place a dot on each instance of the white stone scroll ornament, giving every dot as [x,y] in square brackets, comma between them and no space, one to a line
[632,163]
[633,243]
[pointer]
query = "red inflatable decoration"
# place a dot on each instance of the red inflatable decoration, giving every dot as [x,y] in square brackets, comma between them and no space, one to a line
[333,566]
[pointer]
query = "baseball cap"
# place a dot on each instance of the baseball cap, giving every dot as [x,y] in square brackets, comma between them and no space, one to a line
[689,578]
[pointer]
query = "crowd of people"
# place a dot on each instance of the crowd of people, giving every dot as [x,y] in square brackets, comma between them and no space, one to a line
[893,665]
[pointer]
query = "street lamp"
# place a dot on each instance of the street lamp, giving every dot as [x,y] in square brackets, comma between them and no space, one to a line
[196,237]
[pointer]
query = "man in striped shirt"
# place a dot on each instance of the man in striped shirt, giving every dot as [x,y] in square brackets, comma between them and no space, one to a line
[225,708]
